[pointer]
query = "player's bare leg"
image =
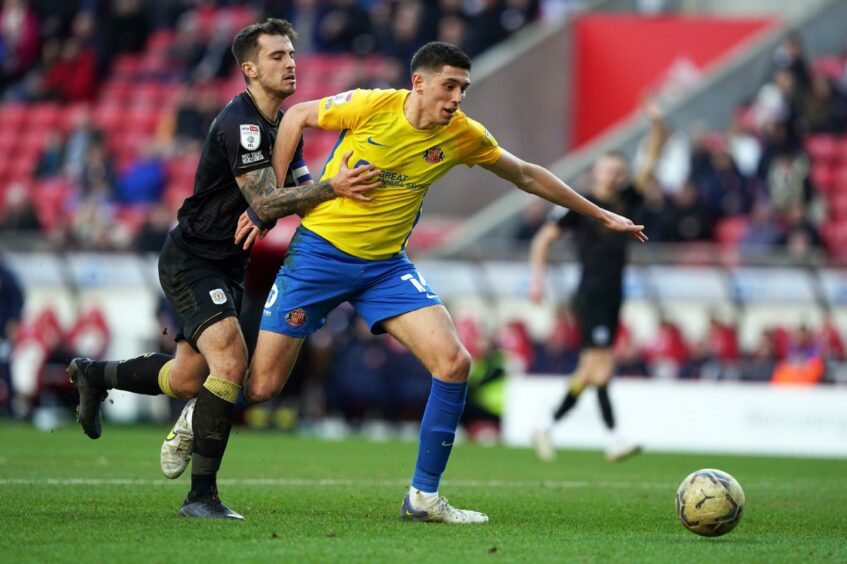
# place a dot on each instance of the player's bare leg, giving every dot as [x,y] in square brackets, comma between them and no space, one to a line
[273,360]
[599,370]
[222,345]
[430,335]
[272,363]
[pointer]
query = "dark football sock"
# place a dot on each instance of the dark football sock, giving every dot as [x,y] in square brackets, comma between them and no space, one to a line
[606,406]
[570,400]
[139,375]
[212,423]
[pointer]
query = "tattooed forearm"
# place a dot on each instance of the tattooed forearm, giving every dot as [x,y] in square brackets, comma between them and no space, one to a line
[270,202]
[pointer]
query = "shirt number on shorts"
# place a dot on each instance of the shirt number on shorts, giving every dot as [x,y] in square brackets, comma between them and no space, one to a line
[419,283]
[272,295]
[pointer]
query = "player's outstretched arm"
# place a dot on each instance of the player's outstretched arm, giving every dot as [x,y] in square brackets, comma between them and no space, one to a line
[541,182]
[538,252]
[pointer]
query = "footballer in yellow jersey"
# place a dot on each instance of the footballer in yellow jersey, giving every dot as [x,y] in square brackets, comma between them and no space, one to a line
[374,127]
[350,247]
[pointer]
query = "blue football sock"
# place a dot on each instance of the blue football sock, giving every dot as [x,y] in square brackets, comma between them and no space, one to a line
[438,430]
[241,400]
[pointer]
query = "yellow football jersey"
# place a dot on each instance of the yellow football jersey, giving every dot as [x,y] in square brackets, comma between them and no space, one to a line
[374,127]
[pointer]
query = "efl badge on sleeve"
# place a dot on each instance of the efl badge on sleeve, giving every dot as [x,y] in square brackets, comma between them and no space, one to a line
[250,136]
[433,155]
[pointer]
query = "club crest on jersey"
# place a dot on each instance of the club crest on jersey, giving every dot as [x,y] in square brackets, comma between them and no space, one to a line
[218,296]
[433,155]
[296,317]
[250,136]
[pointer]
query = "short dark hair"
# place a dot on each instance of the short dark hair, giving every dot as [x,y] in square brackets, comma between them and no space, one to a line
[436,54]
[245,46]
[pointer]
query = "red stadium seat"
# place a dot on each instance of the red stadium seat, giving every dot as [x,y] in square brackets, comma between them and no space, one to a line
[160,39]
[12,115]
[43,116]
[838,205]
[823,176]
[126,66]
[143,120]
[834,234]
[108,116]
[49,200]
[822,147]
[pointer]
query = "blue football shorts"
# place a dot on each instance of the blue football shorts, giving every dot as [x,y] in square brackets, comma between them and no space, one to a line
[316,278]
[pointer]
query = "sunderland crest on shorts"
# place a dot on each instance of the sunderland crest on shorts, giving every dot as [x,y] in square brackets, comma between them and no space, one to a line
[296,317]
[250,136]
[433,155]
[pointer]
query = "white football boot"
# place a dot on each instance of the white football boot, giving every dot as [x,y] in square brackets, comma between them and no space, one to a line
[176,450]
[621,449]
[543,445]
[433,508]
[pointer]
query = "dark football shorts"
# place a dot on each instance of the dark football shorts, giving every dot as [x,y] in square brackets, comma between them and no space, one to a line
[598,310]
[201,292]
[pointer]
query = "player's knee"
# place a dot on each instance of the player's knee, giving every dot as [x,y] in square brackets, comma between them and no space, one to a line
[454,367]
[258,392]
[186,388]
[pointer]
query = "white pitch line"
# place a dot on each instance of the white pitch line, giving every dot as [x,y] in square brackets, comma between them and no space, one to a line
[295,482]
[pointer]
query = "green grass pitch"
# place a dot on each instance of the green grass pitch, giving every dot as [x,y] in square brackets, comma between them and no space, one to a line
[65,497]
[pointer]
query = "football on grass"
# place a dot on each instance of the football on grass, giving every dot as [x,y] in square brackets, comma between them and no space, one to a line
[709,502]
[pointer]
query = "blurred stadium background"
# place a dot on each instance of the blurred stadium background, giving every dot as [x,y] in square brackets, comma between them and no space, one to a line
[736,311]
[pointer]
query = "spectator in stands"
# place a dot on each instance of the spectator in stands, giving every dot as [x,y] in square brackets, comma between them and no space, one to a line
[668,354]
[11,311]
[789,56]
[52,157]
[763,232]
[356,384]
[453,29]
[81,136]
[776,101]
[216,61]
[486,387]
[788,180]
[558,354]
[73,76]
[143,182]
[155,229]
[684,218]
[717,356]
[97,177]
[723,189]
[343,27]
[405,36]
[183,129]
[20,40]
[628,358]
[188,45]
[19,214]
[126,27]
[831,340]
[824,109]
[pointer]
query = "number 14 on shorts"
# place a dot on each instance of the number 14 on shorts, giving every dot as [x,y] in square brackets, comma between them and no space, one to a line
[419,283]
